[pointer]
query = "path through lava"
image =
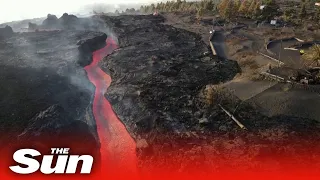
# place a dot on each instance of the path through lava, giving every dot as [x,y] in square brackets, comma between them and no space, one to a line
[118,149]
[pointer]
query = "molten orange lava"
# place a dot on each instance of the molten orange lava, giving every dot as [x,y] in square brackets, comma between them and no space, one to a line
[118,149]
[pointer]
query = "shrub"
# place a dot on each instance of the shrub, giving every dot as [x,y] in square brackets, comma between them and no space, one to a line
[313,55]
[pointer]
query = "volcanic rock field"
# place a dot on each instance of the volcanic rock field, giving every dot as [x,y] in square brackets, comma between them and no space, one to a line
[159,78]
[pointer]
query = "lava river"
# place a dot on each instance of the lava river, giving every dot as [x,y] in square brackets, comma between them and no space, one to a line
[118,149]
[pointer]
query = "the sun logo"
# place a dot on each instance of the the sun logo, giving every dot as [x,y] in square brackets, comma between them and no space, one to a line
[66,164]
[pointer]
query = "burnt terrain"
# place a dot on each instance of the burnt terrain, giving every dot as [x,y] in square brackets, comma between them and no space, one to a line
[165,89]
[45,93]
[69,22]
[157,73]
[162,78]
[6,32]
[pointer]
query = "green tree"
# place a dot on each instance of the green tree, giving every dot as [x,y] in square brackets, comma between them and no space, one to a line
[152,8]
[202,4]
[193,8]
[303,11]
[317,14]
[200,12]
[257,10]
[270,10]
[288,14]
[237,4]
[142,9]
[209,5]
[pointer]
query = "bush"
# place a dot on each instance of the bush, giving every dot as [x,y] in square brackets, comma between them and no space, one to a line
[213,95]
[246,60]
[313,55]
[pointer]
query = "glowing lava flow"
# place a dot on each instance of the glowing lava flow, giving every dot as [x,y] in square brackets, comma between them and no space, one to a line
[118,149]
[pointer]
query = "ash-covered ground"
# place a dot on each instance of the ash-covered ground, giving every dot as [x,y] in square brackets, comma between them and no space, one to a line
[165,88]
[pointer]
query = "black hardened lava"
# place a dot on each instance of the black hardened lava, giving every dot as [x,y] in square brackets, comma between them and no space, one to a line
[45,94]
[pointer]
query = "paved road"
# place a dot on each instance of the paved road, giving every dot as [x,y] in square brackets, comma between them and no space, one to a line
[246,89]
[218,42]
[289,57]
[282,99]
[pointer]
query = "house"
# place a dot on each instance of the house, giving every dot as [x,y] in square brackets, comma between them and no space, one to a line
[273,22]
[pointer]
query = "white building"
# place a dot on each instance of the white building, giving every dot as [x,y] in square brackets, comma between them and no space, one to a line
[273,22]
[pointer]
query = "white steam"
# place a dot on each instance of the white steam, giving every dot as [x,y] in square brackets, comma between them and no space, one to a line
[13,10]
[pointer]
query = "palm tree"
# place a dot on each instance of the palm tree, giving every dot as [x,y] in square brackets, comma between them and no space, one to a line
[312,54]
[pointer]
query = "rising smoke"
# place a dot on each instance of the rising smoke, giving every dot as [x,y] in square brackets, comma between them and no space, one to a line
[15,10]
[56,57]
